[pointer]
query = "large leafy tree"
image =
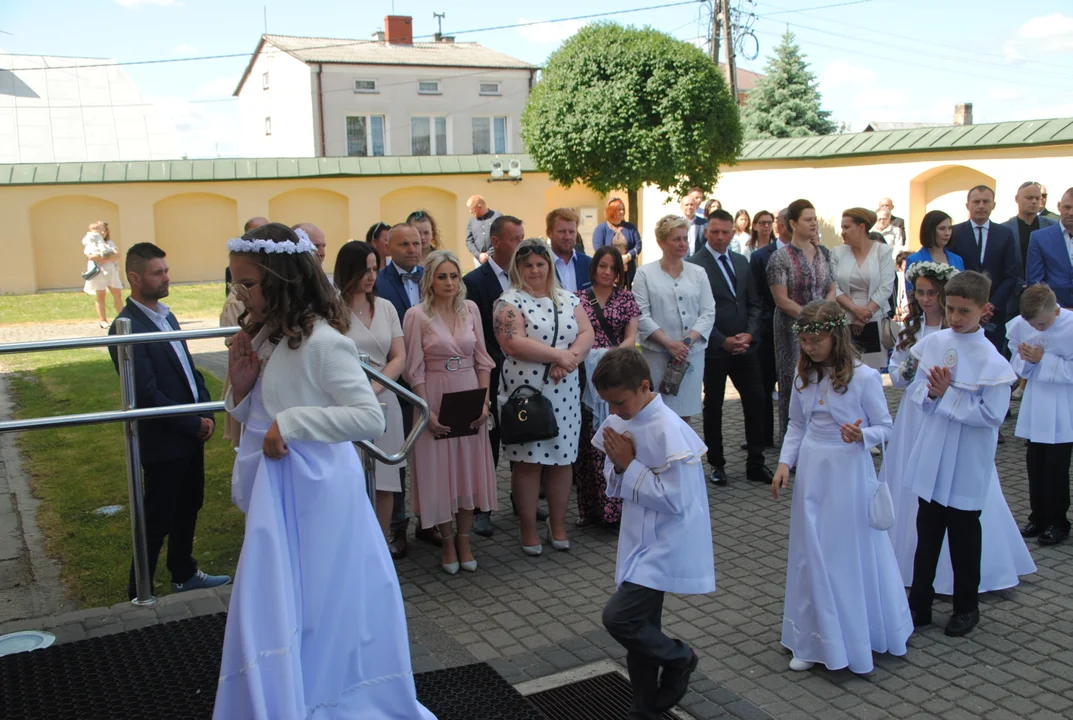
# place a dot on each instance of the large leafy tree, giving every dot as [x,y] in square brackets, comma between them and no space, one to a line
[620,107]
[785,103]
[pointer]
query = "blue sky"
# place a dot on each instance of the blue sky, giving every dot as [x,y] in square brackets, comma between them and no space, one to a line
[893,60]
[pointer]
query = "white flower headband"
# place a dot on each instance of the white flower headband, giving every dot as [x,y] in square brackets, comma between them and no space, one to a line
[304,244]
[938,271]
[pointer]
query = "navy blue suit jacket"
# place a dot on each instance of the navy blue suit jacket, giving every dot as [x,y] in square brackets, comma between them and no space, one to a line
[159,381]
[1049,262]
[758,266]
[581,270]
[483,288]
[389,286]
[1002,261]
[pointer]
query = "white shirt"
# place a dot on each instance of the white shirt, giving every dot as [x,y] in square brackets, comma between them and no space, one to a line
[986,227]
[412,287]
[781,244]
[1069,243]
[693,230]
[566,272]
[719,264]
[501,275]
[1044,416]
[160,319]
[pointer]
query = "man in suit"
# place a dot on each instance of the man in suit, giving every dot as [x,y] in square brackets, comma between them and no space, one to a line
[571,266]
[992,249]
[400,284]
[690,204]
[1022,225]
[1043,211]
[765,350]
[1049,254]
[484,286]
[172,448]
[478,228]
[895,221]
[731,349]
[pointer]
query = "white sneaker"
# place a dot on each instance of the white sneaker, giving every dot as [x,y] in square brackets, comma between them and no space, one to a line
[800,665]
[1018,393]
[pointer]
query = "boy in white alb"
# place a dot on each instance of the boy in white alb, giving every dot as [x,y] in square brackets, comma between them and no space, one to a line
[963,388]
[1041,343]
[665,542]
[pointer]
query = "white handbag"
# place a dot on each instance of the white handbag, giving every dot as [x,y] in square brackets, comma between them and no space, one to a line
[881,506]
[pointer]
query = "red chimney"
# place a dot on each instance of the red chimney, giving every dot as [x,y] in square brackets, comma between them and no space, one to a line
[399,29]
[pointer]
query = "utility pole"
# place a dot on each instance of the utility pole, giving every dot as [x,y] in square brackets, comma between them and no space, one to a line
[716,30]
[728,40]
[438,17]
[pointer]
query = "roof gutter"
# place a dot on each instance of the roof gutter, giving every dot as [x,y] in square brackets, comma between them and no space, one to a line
[320,109]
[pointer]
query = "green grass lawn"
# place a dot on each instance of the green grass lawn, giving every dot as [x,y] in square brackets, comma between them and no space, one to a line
[74,471]
[186,301]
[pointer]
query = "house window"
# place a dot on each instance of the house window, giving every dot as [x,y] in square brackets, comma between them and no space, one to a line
[490,88]
[365,135]
[264,81]
[365,86]
[428,136]
[428,87]
[489,135]
[268,126]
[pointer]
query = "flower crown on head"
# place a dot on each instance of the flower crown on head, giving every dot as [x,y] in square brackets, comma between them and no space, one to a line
[820,326]
[288,247]
[932,270]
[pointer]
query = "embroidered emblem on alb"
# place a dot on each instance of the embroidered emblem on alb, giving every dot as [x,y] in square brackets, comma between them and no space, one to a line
[950,358]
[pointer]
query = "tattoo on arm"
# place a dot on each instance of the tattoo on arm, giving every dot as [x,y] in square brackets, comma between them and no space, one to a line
[504,322]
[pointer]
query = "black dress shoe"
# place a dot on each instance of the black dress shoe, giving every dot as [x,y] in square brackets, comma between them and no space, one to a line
[1031,529]
[1052,535]
[674,684]
[482,524]
[718,476]
[760,474]
[921,618]
[429,535]
[961,623]
[769,445]
[1001,438]
[397,546]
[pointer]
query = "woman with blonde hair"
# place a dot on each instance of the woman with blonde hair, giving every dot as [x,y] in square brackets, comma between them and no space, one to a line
[865,276]
[677,315]
[621,235]
[544,334]
[445,353]
[102,270]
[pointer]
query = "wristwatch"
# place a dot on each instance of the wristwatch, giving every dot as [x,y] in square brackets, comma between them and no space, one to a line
[688,342]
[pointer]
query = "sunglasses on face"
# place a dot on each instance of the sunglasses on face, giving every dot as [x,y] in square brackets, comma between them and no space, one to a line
[538,249]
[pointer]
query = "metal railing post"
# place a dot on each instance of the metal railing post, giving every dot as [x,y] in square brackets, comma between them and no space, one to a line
[142,581]
[368,462]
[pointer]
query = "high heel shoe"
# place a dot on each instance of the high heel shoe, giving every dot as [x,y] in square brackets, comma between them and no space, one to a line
[450,568]
[467,565]
[561,545]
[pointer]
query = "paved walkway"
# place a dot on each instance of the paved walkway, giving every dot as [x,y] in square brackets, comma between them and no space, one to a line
[533,617]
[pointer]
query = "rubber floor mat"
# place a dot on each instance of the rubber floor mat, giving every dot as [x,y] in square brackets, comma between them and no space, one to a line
[169,671]
[604,697]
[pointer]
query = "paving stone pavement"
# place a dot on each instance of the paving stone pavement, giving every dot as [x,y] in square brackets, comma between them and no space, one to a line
[533,617]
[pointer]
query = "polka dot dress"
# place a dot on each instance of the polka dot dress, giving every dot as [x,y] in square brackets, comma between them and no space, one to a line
[565,395]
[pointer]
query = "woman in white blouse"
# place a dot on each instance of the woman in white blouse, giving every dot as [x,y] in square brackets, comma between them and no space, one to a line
[376,331]
[677,315]
[99,250]
[864,275]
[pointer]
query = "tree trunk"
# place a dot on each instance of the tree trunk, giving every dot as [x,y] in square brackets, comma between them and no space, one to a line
[631,201]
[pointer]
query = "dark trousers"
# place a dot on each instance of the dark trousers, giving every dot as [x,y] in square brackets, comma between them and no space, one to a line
[1048,484]
[634,617]
[493,424]
[995,331]
[962,527]
[399,519]
[174,493]
[769,376]
[744,372]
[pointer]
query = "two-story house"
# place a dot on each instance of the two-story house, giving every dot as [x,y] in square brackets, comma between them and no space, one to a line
[324,97]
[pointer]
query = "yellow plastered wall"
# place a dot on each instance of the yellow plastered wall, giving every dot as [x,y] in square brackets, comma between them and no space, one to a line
[193,220]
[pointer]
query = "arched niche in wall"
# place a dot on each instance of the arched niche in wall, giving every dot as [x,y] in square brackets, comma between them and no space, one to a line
[327,209]
[444,208]
[193,229]
[57,226]
[945,188]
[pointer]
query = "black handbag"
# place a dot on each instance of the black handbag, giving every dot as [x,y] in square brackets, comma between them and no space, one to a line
[527,416]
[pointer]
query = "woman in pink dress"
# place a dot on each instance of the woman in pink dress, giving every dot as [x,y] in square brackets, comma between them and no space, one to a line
[445,353]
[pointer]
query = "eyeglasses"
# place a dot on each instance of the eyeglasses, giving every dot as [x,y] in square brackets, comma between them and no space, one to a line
[524,251]
[924,294]
[243,290]
[417,215]
[763,222]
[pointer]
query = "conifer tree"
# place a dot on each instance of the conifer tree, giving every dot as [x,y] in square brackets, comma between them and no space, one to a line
[786,102]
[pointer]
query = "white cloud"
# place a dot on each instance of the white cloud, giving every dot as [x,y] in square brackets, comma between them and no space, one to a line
[1048,34]
[184,49]
[549,33]
[138,3]
[842,73]
[217,88]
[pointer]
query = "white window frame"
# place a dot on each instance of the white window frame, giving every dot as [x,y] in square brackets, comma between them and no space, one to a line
[492,134]
[432,117]
[268,125]
[367,91]
[264,80]
[482,91]
[368,133]
[437,91]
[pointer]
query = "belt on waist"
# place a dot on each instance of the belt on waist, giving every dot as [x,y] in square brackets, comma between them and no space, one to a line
[447,364]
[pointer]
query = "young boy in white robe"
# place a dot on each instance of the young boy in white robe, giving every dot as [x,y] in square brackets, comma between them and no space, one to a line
[316,627]
[1041,343]
[962,385]
[844,596]
[665,542]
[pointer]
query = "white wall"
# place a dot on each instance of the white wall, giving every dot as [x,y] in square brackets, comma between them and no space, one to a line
[288,101]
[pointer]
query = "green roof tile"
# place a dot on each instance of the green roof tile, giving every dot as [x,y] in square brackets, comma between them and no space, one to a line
[23,174]
[202,170]
[69,173]
[159,171]
[223,169]
[309,167]
[5,174]
[245,169]
[92,172]
[265,169]
[361,166]
[115,172]
[409,165]
[287,167]
[137,172]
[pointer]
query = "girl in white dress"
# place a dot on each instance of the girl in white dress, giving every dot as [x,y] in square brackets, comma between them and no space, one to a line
[99,249]
[1004,555]
[316,627]
[844,597]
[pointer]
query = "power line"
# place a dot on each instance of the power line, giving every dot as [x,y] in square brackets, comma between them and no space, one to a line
[817,7]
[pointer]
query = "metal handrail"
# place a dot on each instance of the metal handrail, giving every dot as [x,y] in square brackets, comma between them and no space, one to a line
[123,340]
